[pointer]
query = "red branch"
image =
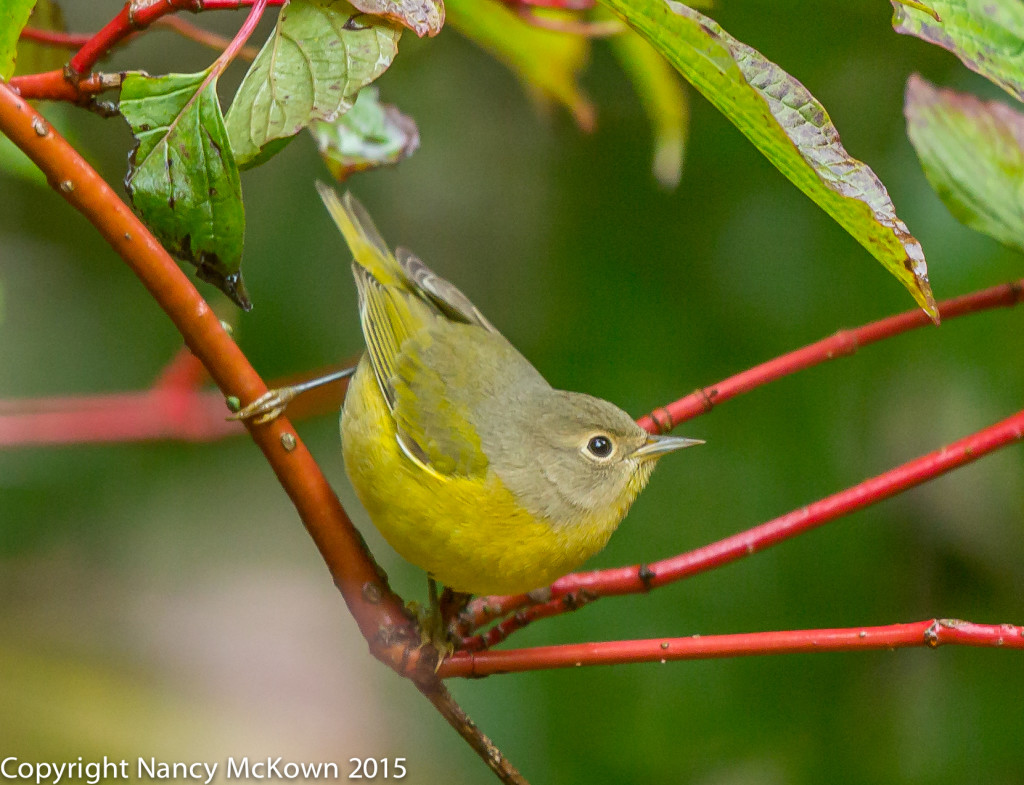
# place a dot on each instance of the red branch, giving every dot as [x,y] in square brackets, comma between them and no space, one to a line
[379,613]
[75,85]
[53,86]
[931,633]
[843,343]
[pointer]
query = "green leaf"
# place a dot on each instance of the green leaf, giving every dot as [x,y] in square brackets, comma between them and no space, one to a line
[545,61]
[369,135]
[987,36]
[788,125]
[664,100]
[33,56]
[320,54]
[423,17]
[182,178]
[972,152]
[13,17]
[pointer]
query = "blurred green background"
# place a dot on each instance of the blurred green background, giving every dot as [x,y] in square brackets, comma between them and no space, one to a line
[164,599]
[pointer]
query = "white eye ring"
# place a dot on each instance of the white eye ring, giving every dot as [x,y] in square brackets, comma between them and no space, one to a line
[599,447]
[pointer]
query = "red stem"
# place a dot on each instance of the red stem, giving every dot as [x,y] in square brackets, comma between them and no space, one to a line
[931,633]
[845,342]
[55,38]
[253,19]
[53,86]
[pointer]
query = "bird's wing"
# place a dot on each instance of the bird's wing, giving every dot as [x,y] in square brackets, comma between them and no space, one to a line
[402,334]
[441,292]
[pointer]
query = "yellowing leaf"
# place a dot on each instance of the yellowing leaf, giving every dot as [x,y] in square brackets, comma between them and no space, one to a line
[788,125]
[542,59]
[13,17]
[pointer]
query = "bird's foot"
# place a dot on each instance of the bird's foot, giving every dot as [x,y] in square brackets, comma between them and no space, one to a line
[434,630]
[272,403]
[267,407]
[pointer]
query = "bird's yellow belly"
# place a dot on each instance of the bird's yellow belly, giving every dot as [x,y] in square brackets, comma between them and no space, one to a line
[468,534]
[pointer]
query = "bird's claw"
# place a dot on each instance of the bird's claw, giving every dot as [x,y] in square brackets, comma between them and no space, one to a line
[267,408]
[434,632]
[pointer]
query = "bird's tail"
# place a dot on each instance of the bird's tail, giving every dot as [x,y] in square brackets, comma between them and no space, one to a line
[365,242]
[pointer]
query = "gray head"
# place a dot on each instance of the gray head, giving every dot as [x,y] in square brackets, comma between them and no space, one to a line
[578,458]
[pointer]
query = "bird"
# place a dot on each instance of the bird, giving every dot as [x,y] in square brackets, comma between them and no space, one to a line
[469,463]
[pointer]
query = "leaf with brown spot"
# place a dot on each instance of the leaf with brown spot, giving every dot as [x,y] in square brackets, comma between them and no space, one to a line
[790,128]
[423,17]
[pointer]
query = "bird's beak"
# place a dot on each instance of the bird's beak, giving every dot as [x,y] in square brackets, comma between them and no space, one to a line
[656,446]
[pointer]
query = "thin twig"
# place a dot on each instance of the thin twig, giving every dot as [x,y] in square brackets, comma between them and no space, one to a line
[167,411]
[201,36]
[930,633]
[843,343]
[442,700]
[55,38]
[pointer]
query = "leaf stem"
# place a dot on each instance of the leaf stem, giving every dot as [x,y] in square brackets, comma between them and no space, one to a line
[241,37]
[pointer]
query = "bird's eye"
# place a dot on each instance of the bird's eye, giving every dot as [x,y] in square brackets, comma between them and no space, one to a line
[600,446]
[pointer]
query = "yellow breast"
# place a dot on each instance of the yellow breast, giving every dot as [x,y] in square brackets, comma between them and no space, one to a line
[467,533]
